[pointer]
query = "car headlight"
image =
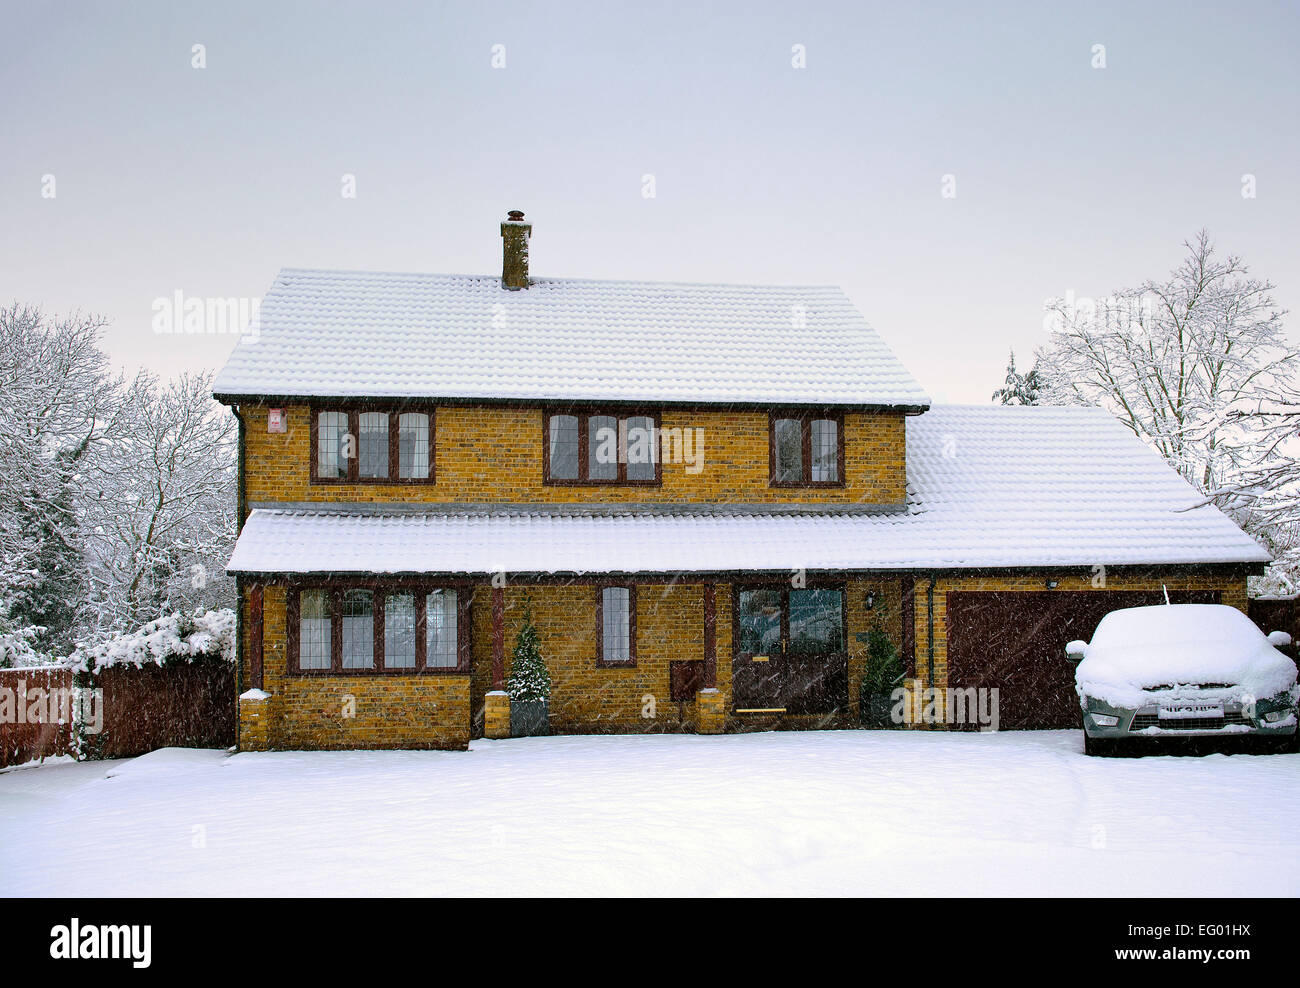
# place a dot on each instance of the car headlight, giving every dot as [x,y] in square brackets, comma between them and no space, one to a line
[1104,720]
[1273,716]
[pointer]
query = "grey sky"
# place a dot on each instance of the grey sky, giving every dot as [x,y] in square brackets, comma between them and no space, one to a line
[1068,178]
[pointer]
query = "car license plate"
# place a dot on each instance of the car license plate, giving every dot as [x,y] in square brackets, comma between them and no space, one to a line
[1186,711]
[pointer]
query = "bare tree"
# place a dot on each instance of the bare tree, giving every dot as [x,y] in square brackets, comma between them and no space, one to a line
[161,523]
[1178,361]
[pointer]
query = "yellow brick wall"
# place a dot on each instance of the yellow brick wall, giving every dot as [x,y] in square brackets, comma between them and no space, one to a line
[445,710]
[494,454]
[670,626]
[584,698]
[429,711]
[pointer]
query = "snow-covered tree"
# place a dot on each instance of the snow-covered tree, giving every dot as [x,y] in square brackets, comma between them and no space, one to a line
[1019,389]
[1177,361]
[160,521]
[529,677]
[116,495]
[1197,365]
[58,401]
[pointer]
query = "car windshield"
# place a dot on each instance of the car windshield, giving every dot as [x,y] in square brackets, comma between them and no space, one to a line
[1200,623]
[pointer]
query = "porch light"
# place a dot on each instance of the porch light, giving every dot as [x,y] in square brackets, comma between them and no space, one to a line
[871,599]
[1053,584]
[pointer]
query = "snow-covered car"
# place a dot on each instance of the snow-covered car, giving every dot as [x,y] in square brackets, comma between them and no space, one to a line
[1181,670]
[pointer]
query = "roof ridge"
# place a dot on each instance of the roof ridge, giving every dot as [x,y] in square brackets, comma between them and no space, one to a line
[563,279]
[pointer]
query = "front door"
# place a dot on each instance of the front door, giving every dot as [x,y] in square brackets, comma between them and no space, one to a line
[790,651]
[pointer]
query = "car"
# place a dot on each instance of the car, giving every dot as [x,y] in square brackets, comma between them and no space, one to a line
[1173,671]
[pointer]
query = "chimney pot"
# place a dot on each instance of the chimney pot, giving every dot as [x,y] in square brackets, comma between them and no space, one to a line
[515,234]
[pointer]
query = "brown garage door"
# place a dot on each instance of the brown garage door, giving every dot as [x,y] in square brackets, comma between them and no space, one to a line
[1015,641]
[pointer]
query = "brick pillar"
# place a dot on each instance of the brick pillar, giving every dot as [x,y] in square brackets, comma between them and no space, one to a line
[710,636]
[496,714]
[712,714]
[255,713]
[498,638]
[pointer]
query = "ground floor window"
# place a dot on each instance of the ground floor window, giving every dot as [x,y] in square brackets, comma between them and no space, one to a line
[378,629]
[616,626]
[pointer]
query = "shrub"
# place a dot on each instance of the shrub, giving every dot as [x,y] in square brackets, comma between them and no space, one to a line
[529,677]
[884,669]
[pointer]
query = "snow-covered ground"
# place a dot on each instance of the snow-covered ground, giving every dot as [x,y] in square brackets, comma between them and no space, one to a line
[788,813]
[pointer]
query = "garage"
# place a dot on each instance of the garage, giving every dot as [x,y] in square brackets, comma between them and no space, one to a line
[1014,641]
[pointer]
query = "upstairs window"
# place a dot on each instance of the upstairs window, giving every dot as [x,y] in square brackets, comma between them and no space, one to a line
[601,447]
[372,446]
[807,449]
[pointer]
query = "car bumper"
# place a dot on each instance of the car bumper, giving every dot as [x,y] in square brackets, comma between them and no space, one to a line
[1146,723]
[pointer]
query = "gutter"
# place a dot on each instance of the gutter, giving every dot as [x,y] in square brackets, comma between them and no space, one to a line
[241,488]
[240,506]
[234,398]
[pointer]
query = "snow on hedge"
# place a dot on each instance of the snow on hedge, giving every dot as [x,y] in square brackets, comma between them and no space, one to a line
[168,640]
[1137,649]
[17,647]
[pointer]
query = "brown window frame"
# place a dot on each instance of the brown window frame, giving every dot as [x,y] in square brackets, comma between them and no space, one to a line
[381,590]
[583,416]
[630,662]
[353,413]
[805,419]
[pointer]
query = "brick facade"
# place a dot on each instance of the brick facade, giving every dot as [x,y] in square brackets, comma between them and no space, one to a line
[354,711]
[493,454]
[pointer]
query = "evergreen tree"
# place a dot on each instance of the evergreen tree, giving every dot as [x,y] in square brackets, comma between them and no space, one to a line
[529,677]
[1019,389]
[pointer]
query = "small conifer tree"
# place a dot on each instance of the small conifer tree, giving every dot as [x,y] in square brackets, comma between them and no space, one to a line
[529,677]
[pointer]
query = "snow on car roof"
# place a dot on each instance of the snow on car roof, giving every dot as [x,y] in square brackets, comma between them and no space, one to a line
[1176,622]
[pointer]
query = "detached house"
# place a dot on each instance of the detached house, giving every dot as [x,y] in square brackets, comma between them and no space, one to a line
[706,494]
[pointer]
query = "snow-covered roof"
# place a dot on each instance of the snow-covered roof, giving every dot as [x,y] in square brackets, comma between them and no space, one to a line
[367,334]
[988,486]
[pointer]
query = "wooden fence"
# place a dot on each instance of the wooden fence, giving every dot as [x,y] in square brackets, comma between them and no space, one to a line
[135,709]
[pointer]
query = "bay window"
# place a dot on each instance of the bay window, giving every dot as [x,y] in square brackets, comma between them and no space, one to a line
[372,628]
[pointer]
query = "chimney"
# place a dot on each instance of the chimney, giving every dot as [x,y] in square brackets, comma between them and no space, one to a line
[515,234]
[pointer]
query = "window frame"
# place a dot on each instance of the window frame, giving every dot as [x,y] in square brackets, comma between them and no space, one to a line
[805,419]
[583,415]
[630,661]
[353,412]
[335,589]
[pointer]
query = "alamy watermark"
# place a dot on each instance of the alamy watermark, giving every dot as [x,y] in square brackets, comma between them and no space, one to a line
[647,445]
[194,315]
[1122,313]
[917,704]
[23,704]
[102,941]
